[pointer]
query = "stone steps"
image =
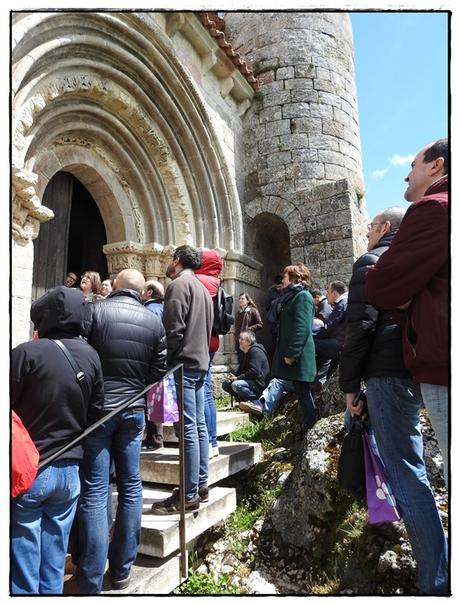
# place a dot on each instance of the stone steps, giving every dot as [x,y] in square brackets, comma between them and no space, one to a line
[227,422]
[162,466]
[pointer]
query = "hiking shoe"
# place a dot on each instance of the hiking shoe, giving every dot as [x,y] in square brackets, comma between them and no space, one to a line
[251,407]
[203,493]
[171,505]
[120,584]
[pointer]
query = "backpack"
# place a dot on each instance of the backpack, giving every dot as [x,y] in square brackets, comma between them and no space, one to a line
[24,457]
[223,312]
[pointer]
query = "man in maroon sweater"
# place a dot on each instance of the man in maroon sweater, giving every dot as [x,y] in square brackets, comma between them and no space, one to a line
[413,276]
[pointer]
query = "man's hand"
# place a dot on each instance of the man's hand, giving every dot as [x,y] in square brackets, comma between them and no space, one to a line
[354,409]
[405,305]
[231,377]
[289,361]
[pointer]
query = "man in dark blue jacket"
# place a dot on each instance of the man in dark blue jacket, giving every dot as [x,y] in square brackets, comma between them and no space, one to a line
[373,352]
[131,343]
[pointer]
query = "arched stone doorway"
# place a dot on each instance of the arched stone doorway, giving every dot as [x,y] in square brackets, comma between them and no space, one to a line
[268,241]
[73,240]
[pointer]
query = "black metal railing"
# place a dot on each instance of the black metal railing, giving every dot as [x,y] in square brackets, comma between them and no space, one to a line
[179,379]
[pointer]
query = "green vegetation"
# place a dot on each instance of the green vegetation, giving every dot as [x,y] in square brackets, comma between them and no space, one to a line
[207,584]
[269,433]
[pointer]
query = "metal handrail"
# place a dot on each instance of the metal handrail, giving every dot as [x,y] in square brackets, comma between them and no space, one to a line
[179,368]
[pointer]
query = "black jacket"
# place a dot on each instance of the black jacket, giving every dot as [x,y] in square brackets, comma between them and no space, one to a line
[335,324]
[255,366]
[131,343]
[44,390]
[372,337]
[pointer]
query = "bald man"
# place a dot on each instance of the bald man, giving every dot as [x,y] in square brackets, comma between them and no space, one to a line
[131,343]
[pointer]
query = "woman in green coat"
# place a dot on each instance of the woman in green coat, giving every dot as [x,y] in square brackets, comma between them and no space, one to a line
[294,357]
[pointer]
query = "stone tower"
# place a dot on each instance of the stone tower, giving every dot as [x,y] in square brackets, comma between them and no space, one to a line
[303,199]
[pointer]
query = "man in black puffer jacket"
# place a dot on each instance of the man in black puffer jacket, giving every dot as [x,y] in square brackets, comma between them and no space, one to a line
[131,343]
[373,352]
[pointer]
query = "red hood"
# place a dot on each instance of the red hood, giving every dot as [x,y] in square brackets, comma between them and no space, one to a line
[211,263]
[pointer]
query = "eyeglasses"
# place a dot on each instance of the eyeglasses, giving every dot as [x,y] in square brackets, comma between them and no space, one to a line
[371,226]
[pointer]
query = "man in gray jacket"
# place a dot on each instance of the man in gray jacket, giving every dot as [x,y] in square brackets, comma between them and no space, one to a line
[187,318]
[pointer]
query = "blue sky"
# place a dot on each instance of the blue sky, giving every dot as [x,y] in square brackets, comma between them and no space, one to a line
[401,61]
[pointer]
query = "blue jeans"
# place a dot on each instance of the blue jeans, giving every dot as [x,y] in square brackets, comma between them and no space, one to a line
[120,439]
[394,405]
[196,438]
[271,396]
[210,413]
[243,389]
[436,400]
[41,519]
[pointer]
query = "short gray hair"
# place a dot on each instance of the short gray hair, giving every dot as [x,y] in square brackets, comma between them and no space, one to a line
[249,336]
[394,215]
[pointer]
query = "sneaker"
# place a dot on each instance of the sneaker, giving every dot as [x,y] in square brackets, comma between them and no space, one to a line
[211,454]
[251,407]
[203,493]
[215,451]
[171,505]
[120,584]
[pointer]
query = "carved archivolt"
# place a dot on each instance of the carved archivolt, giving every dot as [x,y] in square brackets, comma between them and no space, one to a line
[115,168]
[119,102]
[28,212]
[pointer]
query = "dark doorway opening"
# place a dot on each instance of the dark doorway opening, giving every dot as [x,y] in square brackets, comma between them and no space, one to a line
[268,242]
[73,240]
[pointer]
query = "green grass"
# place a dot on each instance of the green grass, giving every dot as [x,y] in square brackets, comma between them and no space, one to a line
[264,431]
[207,584]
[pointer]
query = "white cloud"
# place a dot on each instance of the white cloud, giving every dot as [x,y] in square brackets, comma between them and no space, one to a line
[379,174]
[401,160]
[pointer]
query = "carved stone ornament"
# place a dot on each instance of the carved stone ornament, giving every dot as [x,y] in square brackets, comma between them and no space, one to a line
[120,102]
[28,211]
[237,270]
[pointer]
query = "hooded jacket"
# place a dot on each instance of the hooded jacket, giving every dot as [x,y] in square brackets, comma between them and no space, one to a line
[131,343]
[372,345]
[208,274]
[44,389]
[416,268]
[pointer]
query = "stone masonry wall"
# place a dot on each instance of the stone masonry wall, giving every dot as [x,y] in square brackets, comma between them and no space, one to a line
[302,131]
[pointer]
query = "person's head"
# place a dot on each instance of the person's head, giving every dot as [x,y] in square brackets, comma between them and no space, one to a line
[296,274]
[184,257]
[130,279]
[153,289]
[70,280]
[90,283]
[245,300]
[106,287]
[317,296]
[334,291]
[58,313]
[384,222]
[246,340]
[278,282]
[430,164]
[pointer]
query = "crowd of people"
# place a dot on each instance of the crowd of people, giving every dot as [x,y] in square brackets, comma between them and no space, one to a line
[388,331]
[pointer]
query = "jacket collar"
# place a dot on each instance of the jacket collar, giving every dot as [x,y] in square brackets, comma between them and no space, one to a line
[441,184]
[125,292]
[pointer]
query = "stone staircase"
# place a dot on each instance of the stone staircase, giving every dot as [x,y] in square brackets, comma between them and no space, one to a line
[157,567]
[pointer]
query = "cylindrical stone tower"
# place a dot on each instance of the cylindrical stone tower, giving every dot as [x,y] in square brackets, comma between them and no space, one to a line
[302,149]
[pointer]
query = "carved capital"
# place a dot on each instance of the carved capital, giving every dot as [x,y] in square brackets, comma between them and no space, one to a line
[237,270]
[28,211]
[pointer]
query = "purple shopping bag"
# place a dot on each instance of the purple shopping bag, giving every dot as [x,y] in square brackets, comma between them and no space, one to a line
[162,401]
[381,505]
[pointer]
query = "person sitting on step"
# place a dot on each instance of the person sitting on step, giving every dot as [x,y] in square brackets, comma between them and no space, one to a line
[252,374]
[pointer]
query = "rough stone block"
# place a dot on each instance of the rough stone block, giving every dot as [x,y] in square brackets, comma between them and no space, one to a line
[341,116]
[271,175]
[304,95]
[270,114]
[320,110]
[297,255]
[271,145]
[296,110]
[310,170]
[266,77]
[304,155]
[265,65]
[298,83]
[334,172]
[324,86]
[335,204]
[324,142]
[335,129]
[334,219]
[305,70]
[330,99]
[310,125]
[338,249]
[294,141]
[276,159]
[284,189]
[284,73]
[279,97]
[331,157]
[274,129]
